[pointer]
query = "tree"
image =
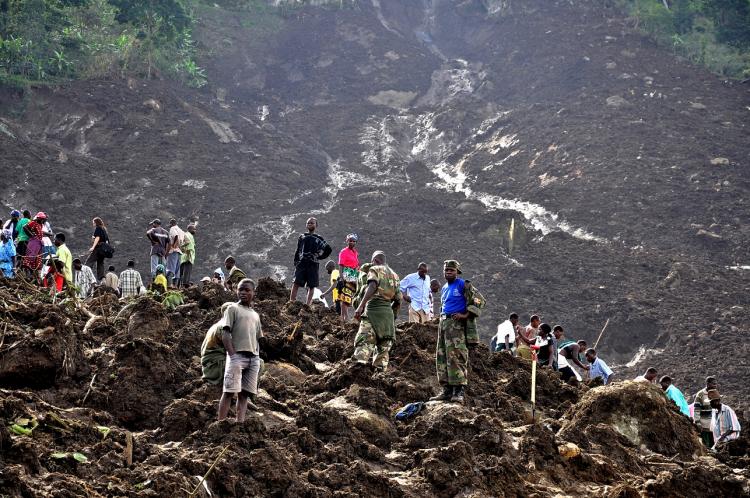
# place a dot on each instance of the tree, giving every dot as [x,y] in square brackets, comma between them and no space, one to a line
[732,19]
[154,19]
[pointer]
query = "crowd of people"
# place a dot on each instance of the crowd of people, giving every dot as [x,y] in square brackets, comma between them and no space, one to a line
[231,348]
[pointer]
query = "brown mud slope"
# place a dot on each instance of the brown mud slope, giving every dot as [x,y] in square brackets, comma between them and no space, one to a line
[79,388]
[622,170]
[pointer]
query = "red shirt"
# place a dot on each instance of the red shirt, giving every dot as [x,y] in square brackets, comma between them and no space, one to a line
[349,258]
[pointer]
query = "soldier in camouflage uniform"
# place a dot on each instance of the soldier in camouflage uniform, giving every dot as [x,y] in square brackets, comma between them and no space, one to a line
[376,312]
[457,332]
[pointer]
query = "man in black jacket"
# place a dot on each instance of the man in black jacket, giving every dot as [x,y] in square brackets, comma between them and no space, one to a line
[310,249]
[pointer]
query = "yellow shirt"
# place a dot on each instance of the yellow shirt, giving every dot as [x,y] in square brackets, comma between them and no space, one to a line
[160,279]
[334,278]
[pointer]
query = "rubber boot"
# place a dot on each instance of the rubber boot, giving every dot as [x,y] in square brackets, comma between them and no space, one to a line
[458,395]
[445,395]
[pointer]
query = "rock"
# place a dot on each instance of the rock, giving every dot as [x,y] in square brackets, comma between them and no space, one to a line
[286,373]
[697,105]
[611,65]
[719,161]
[152,104]
[705,234]
[616,101]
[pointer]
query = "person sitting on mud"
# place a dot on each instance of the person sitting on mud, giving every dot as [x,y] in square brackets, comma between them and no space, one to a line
[568,353]
[674,394]
[376,314]
[598,368]
[234,274]
[213,353]
[649,376]
[159,285]
[724,423]
[241,334]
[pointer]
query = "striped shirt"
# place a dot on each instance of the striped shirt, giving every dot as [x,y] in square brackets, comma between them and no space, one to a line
[723,421]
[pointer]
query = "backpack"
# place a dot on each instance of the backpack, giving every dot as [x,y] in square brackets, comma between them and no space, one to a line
[105,250]
[409,411]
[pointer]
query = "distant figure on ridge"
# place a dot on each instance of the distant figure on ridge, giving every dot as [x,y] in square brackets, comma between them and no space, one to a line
[130,281]
[174,253]
[159,239]
[311,248]
[234,274]
[188,256]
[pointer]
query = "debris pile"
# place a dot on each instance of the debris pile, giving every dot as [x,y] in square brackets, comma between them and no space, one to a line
[106,399]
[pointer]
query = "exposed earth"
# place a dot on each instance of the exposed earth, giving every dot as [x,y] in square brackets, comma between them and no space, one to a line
[107,400]
[574,168]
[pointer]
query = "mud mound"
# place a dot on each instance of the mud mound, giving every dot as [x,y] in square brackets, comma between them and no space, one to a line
[325,426]
[640,412]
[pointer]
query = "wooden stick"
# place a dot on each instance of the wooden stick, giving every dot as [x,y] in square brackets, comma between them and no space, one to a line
[128,448]
[91,386]
[600,333]
[203,479]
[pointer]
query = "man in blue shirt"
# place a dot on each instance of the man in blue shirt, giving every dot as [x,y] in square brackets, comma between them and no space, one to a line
[598,367]
[674,394]
[415,288]
[452,355]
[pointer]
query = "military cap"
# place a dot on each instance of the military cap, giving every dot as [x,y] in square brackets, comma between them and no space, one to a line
[452,263]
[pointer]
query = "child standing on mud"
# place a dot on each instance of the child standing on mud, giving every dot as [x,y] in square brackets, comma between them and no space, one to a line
[240,336]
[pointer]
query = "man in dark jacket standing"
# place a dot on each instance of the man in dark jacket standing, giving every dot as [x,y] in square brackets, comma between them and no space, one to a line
[311,248]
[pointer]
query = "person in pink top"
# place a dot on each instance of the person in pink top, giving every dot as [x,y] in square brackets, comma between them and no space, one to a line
[348,266]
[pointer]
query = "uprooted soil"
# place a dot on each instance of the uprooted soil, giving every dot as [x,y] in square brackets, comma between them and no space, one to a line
[80,382]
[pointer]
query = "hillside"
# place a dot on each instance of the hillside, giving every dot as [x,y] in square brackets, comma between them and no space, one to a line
[428,128]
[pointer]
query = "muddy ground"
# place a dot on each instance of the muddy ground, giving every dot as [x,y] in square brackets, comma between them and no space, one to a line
[430,128]
[79,382]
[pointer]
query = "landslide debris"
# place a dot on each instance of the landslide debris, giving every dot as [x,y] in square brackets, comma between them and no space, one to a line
[106,399]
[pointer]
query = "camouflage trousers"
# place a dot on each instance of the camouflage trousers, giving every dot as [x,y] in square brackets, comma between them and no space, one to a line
[452,355]
[367,344]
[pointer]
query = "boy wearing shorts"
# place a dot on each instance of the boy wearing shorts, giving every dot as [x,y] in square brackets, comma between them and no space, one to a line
[240,337]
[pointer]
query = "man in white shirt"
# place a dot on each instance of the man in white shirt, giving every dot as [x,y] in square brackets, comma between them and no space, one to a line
[415,288]
[174,253]
[506,334]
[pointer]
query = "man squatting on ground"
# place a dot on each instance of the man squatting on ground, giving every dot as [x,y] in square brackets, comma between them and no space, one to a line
[460,305]
[242,332]
[377,313]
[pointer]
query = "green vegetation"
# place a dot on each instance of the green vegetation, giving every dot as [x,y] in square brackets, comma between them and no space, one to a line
[712,33]
[56,40]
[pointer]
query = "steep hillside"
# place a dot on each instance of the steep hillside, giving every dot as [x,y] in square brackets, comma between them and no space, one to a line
[431,128]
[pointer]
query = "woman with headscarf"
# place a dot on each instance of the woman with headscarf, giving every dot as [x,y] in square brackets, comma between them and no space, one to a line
[349,273]
[31,263]
[7,253]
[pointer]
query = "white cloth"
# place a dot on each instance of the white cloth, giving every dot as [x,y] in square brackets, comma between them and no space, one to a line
[504,330]
[318,296]
[176,231]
